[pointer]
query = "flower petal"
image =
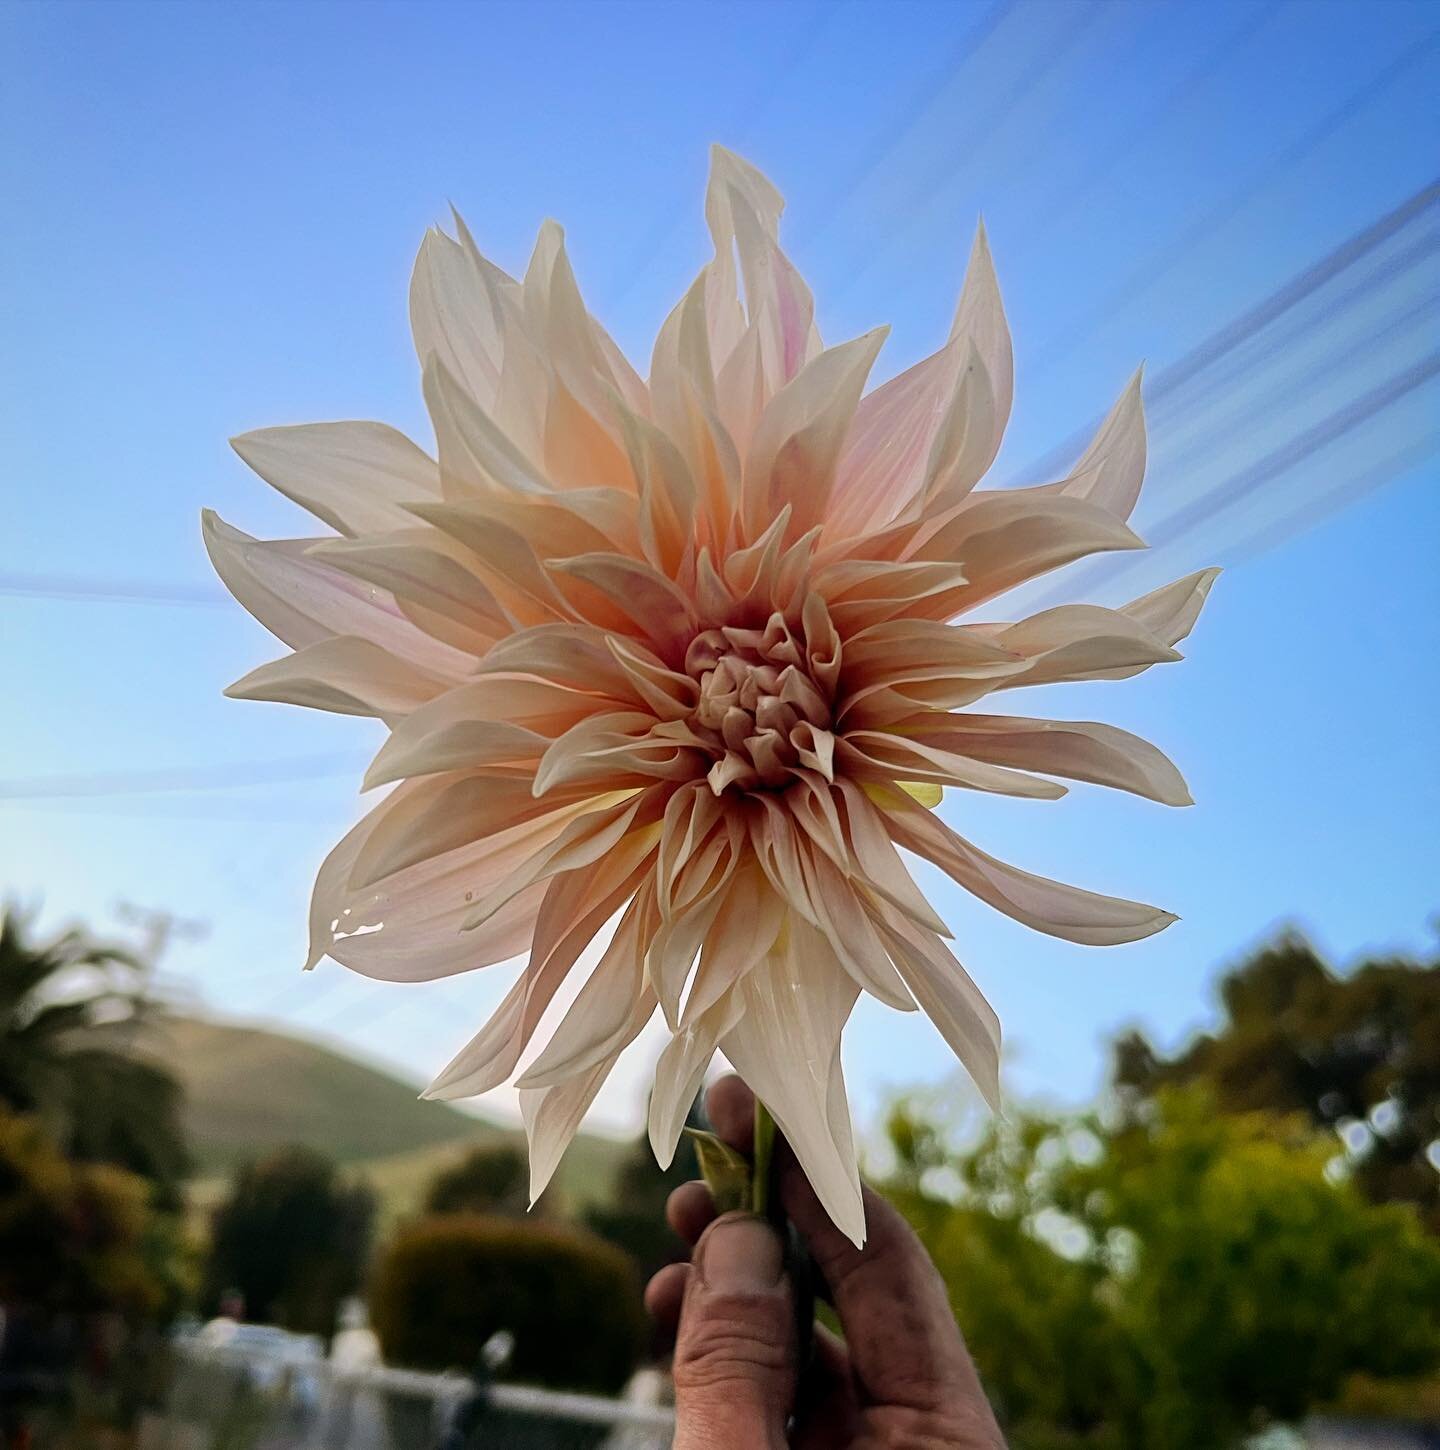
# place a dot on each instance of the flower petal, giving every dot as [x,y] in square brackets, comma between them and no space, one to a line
[345,674]
[681,1070]
[786,1046]
[353,476]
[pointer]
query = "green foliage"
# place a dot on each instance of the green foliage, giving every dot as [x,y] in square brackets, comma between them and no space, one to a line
[75,1016]
[1179,1278]
[572,1301]
[634,1218]
[1359,1054]
[490,1179]
[81,1237]
[292,1238]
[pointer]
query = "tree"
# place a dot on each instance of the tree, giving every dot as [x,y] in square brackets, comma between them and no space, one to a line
[446,1284]
[1358,1054]
[1180,1277]
[634,1219]
[293,1238]
[494,1179]
[75,1015]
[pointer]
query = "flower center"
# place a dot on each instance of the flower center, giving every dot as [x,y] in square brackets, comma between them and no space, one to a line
[764,705]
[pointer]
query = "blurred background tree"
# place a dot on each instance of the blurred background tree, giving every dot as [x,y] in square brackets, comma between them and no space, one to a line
[445,1284]
[1177,1276]
[494,1178]
[634,1218]
[292,1238]
[1358,1054]
[75,1020]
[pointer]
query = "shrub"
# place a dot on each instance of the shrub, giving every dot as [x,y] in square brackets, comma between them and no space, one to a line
[446,1284]
[490,1179]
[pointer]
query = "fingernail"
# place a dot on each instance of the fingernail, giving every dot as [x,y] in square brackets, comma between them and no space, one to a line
[740,1252]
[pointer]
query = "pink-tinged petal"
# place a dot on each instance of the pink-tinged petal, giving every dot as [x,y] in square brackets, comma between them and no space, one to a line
[624,830]
[845,923]
[1069,912]
[1004,538]
[1110,472]
[458,810]
[681,1070]
[576,656]
[553,1115]
[950,1000]
[1169,613]
[871,754]
[575,522]
[596,1022]
[476,455]
[797,442]
[1080,642]
[426,571]
[303,601]
[457,304]
[447,734]
[406,927]
[613,751]
[787,1048]
[353,476]
[344,674]
[748,921]
[656,608]
[1077,749]
[575,907]
[980,321]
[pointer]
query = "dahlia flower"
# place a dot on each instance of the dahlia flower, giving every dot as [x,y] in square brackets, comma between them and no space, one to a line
[678,658]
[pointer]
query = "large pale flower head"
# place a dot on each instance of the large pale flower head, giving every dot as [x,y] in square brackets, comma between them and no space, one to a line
[675,666]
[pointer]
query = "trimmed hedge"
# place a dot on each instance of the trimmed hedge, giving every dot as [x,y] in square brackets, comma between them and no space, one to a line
[446,1283]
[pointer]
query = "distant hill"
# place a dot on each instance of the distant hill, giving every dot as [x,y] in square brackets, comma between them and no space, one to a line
[248,1089]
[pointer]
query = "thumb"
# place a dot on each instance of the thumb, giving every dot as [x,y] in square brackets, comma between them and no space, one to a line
[735,1350]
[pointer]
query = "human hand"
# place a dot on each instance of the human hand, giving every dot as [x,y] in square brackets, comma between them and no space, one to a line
[901,1376]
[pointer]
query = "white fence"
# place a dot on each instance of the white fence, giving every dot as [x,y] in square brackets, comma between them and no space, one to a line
[227,1400]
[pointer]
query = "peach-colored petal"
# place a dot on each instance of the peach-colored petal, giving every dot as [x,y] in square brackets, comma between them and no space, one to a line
[1078,749]
[1112,468]
[1169,613]
[345,674]
[786,1045]
[949,998]
[1059,910]
[867,754]
[681,1070]
[302,601]
[353,476]
[1080,642]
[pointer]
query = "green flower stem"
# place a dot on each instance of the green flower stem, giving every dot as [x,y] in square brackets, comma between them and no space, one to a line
[764,1200]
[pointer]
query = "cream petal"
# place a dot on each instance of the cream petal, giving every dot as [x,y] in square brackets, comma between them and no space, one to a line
[1003,538]
[1080,642]
[980,320]
[1069,912]
[552,1115]
[354,476]
[1110,472]
[786,1046]
[745,927]
[457,305]
[474,451]
[797,442]
[453,733]
[614,750]
[950,1000]
[680,1072]
[1169,613]
[577,656]
[420,568]
[657,607]
[344,674]
[1077,749]
[303,601]
[574,910]
[599,1017]
[870,753]
[878,861]
[460,810]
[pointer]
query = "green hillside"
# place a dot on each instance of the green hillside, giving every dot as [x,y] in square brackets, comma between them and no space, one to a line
[248,1089]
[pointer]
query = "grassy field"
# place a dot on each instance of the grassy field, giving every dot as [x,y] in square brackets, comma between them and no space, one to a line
[249,1090]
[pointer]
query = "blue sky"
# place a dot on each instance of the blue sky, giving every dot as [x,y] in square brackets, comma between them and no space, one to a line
[213,212]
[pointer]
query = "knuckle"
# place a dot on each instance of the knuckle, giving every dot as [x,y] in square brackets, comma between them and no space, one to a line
[738,1340]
